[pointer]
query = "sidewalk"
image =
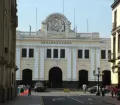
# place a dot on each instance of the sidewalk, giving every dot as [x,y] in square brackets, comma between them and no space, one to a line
[25,100]
[107,99]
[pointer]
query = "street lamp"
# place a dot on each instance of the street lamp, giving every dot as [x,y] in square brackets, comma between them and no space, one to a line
[97,75]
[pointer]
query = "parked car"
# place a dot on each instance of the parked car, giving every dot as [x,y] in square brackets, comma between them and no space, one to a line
[39,86]
[21,86]
[95,88]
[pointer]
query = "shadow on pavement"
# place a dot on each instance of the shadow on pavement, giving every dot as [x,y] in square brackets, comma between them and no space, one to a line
[24,100]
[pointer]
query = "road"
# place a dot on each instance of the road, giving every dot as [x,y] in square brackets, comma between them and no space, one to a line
[71,100]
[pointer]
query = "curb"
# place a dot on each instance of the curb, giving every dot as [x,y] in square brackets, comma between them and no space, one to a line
[103,101]
[41,101]
[108,102]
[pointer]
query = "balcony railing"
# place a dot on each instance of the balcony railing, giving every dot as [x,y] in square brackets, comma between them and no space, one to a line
[114,26]
[111,57]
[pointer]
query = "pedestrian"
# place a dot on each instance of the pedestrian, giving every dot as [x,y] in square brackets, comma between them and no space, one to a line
[84,88]
[22,90]
[112,91]
[103,91]
[118,94]
[29,88]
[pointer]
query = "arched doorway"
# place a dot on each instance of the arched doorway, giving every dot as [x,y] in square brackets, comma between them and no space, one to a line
[106,77]
[27,76]
[83,77]
[55,77]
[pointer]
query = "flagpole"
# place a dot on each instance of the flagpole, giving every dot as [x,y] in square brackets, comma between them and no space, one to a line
[30,29]
[36,21]
[63,7]
[74,18]
[87,26]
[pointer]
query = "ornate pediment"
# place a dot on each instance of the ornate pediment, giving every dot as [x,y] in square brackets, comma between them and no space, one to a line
[56,22]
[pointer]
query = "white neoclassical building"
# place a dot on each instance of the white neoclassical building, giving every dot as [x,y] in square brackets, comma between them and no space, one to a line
[60,55]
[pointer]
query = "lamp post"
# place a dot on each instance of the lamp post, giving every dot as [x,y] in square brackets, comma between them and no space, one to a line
[118,71]
[97,75]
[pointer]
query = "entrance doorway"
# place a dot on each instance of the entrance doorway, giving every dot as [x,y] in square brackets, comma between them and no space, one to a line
[55,77]
[27,76]
[83,78]
[106,77]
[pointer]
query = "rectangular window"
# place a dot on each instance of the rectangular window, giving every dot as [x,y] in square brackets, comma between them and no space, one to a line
[87,54]
[55,53]
[103,54]
[62,53]
[24,52]
[119,43]
[79,53]
[31,53]
[48,53]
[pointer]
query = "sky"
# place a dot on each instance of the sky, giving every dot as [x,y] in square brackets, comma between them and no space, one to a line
[97,12]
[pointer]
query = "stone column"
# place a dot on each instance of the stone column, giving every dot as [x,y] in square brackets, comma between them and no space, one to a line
[5,81]
[13,44]
[2,89]
[8,88]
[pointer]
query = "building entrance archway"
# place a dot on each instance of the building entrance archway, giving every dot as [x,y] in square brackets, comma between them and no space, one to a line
[106,77]
[27,77]
[55,77]
[83,78]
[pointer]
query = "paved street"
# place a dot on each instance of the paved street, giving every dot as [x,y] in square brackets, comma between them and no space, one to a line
[61,98]
[71,100]
[25,100]
[61,93]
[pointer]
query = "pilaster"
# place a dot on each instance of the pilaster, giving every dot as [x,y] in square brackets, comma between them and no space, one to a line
[92,64]
[68,56]
[35,73]
[74,72]
[2,59]
[42,63]
[18,76]
[97,58]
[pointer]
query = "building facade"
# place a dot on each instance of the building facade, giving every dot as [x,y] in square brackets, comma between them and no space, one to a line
[8,24]
[61,56]
[115,43]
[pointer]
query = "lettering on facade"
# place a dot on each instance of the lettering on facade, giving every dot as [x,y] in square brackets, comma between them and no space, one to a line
[56,42]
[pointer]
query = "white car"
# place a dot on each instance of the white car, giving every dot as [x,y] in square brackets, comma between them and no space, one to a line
[21,86]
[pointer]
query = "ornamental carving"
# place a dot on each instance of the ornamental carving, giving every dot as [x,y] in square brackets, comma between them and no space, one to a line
[56,23]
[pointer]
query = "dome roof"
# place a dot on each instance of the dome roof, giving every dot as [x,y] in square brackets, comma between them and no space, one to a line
[58,15]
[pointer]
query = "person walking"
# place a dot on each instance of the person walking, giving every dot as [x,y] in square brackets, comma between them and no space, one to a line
[84,88]
[103,91]
[29,88]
